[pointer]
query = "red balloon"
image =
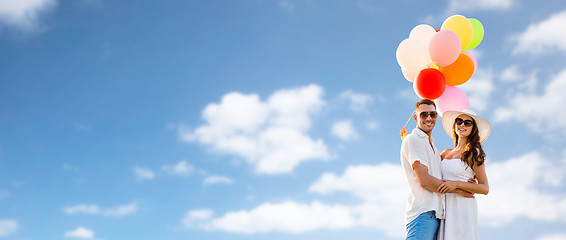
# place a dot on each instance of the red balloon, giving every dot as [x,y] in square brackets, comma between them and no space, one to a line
[429,83]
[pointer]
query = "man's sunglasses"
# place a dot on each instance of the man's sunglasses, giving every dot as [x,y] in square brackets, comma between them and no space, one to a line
[467,123]
[432,114]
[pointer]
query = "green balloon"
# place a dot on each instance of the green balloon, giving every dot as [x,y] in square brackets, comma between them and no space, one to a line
[477,34]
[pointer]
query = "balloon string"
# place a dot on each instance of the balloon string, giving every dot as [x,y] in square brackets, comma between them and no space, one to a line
[404,127]
[409,118]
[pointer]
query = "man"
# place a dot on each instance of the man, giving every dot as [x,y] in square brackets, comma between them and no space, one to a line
[421,162]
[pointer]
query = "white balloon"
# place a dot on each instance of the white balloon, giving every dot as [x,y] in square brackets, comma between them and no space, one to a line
[423,32]
[410,76]
[412,55]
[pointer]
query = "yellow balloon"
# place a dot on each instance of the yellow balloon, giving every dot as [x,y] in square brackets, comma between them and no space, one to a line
[461,26]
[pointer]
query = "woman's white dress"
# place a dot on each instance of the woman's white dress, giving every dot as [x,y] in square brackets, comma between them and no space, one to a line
[461,221]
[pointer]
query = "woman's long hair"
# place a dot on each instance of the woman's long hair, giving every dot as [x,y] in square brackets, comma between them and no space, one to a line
[473,152]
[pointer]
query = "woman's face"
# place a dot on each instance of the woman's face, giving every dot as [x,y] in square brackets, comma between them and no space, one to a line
[464,126]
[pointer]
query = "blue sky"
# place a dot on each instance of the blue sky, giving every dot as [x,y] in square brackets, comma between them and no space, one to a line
[260,119]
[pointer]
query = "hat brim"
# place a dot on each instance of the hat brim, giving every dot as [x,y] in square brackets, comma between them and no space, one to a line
[448,118]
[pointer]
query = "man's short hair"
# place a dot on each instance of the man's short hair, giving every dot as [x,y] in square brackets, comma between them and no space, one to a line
[424,101]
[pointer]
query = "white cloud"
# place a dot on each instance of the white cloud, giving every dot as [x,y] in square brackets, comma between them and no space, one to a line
[287,216]
[558,236]
[474,5]
[538,111]
[511,74]
[384,182]
[344,130]
[372,125]
[381,189]
[93,209]
[522,187]
[193,217]
[8,227]
[477,53]
[181,169]
[270,135]
[122,210]
[24,14]
[358,101]
[80,232]
[529,83]
[143,173]
[479,89]
[210,180]
[542,37]
[81,209]
[519,80]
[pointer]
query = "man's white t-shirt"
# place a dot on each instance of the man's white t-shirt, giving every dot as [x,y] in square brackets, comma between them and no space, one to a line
[416,147]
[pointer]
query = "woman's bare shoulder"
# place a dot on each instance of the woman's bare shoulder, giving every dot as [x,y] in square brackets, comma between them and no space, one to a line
[445,152]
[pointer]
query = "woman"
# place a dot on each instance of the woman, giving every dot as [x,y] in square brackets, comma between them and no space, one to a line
[465,161]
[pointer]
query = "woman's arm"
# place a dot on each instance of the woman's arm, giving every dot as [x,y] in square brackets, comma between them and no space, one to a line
[482,187]
[464,193]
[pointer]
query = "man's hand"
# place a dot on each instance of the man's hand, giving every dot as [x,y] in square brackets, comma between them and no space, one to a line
[403,133]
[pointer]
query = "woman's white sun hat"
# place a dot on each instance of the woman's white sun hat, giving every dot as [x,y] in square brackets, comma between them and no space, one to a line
[448,118]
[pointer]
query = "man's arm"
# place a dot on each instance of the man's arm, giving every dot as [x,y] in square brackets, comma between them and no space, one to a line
[426,181]
[481,187]
[431,183]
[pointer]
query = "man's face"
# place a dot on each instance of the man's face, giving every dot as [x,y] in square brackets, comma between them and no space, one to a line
[425,121]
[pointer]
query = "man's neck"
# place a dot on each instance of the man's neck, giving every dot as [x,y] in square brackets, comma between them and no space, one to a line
[427,133]
[430,139]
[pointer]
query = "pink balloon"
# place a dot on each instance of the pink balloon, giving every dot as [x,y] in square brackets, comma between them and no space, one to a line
[473,59]
[444,48]
[453,99]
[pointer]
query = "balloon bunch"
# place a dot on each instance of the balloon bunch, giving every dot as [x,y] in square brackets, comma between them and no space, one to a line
[436,61]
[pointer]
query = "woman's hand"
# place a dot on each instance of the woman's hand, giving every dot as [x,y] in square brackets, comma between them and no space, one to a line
[447,186]
[473,180]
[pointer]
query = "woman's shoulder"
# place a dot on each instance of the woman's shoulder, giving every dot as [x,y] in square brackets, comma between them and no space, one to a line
[445,152]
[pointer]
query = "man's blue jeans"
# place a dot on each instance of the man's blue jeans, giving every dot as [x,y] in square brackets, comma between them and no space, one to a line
[424,227]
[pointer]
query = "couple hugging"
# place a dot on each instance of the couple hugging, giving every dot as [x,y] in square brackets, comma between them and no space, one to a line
[441,201]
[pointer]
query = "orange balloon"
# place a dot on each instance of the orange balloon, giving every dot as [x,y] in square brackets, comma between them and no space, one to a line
[460,71]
